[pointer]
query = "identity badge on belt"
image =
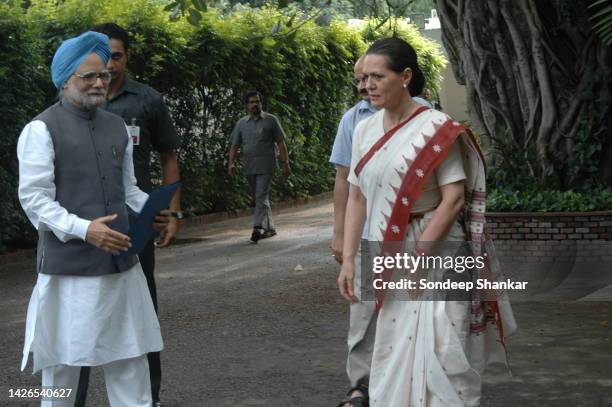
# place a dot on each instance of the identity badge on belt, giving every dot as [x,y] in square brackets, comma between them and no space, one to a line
[134,132]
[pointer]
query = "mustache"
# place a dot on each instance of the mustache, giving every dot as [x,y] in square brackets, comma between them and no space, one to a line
[363,92]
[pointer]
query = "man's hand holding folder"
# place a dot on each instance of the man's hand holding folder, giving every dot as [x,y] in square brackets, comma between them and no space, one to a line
[154,215]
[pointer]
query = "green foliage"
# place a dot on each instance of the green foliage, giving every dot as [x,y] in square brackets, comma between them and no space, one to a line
[21,96]
[509,166]
[304,71]
[319,11]
[513,166]
[513,187]
[602,17]
[535,199]
[384,9]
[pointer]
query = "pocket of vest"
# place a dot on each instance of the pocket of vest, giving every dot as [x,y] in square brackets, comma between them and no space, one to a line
[117,160]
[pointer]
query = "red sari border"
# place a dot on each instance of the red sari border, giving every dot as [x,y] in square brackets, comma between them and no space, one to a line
[428,159]
[384,139]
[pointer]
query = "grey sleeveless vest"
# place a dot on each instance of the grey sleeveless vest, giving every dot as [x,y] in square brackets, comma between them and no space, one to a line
[89,148]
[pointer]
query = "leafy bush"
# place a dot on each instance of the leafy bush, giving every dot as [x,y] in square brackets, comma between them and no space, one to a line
[537,200]
[305,76]
[21,73]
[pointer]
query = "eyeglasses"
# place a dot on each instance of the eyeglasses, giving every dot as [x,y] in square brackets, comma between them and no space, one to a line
[91,77]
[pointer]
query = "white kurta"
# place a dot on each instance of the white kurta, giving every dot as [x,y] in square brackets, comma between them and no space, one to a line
[80,320]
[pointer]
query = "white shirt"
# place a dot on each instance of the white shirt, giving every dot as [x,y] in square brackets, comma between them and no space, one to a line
[422,101]
[80,320]
[37,189]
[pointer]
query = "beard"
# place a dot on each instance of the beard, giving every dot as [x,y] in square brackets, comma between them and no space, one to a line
[85,100]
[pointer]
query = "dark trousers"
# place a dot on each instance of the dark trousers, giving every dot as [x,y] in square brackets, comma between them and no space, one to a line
[147,261]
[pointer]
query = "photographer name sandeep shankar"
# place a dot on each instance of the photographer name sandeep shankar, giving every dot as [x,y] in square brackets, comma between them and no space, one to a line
[424,284]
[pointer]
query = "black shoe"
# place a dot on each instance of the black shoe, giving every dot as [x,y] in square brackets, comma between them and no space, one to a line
[257,234]
[268,233]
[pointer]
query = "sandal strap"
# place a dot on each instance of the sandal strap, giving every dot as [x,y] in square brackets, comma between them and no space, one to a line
[355,402]
[362,387]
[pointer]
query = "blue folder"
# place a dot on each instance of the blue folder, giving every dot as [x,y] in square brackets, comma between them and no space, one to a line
[141,228]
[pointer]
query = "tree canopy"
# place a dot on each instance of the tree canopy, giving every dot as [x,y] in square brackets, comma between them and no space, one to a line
[539,82]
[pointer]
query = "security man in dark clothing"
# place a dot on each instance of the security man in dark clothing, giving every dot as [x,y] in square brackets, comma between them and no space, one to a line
[150,126]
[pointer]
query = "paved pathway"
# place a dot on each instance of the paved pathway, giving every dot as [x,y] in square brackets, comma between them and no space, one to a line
[263,325]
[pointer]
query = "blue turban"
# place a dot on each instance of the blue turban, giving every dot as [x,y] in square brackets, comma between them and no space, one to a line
[73,52]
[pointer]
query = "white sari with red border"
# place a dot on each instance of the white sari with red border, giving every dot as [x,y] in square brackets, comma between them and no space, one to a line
[427,353]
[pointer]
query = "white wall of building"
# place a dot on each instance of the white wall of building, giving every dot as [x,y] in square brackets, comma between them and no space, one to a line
[452,95]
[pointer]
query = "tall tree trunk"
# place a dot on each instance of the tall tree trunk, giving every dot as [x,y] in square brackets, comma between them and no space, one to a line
[539,81]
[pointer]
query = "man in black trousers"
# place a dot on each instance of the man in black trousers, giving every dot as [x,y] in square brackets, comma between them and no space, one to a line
[150,126]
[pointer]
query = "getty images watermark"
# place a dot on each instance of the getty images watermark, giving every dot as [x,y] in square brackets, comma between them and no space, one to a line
[445,271]
[411,263]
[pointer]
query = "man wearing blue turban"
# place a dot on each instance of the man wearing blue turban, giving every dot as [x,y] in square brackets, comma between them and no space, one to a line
[73,52]
[76,178]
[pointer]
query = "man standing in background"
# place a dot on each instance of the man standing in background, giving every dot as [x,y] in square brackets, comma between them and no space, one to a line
[150,127]
[362,321]
[424,98]
[257,133]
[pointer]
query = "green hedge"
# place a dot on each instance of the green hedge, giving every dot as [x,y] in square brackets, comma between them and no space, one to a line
[305,76]
[21,95]
[537,200]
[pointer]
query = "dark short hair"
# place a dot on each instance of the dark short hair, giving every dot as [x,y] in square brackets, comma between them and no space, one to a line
[400,55]
[252,94]
[114,31]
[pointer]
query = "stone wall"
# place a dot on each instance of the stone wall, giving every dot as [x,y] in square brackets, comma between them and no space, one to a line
[552,238]
[550,226]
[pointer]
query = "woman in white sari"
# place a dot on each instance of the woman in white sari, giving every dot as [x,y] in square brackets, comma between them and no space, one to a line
[414,171]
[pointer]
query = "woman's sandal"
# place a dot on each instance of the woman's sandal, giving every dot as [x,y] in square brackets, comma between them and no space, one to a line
[357,401]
